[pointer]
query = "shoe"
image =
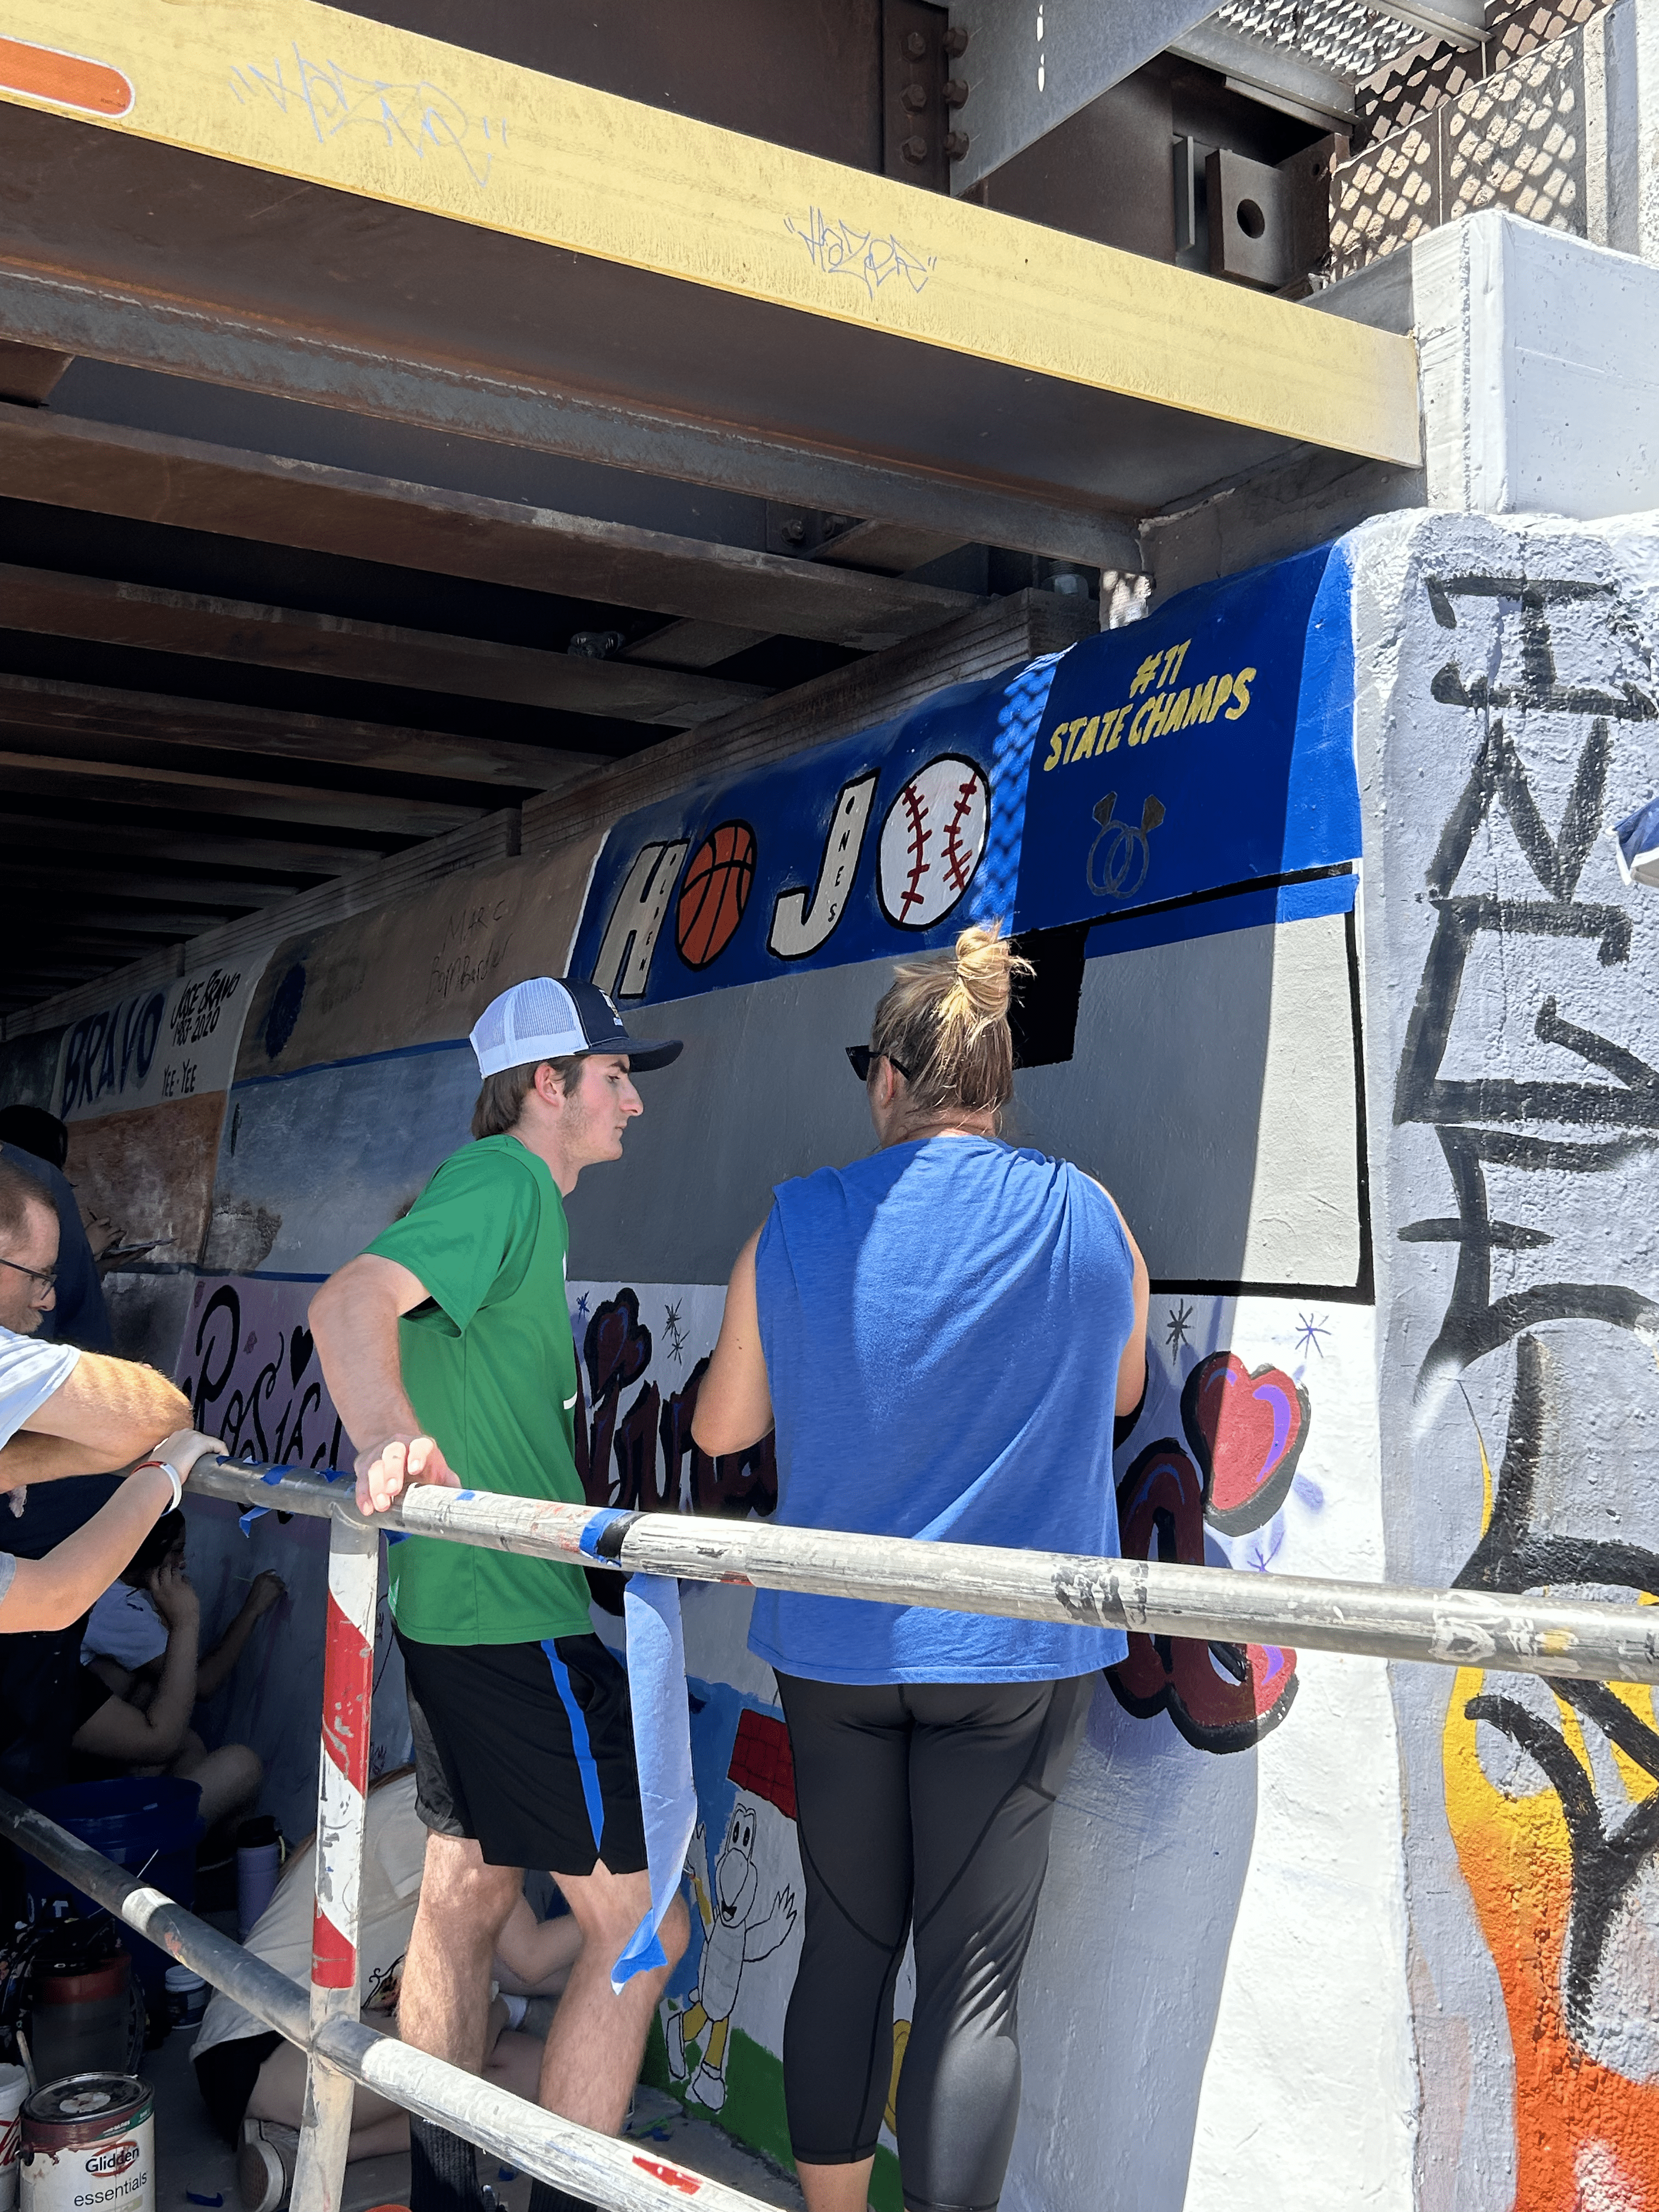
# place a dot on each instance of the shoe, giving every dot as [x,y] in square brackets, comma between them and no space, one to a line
[674,2037]
[266,2159]
[707,2089]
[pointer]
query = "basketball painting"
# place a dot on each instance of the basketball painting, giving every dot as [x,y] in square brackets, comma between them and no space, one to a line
[715,893]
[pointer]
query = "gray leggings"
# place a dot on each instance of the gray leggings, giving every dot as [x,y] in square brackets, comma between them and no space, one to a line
[931,1802]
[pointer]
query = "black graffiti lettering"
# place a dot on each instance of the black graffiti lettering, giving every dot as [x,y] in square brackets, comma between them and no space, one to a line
[1540,690]
[1558,861]
[210,1386]
[615,1354]
[1514,1557]
[290,1449]
[1420,1095]
[635,1450]
[1475,1323]
[264,1385]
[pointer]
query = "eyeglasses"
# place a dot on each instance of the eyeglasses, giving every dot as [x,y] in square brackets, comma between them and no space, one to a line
[861,1055]
[46,1277]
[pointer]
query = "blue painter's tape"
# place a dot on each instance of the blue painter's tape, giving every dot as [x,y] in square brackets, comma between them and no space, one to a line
[273,1475]
[662,1754]
[596,1527]
[244,1521]
[581,1743]
[465,1497]
[397,1535]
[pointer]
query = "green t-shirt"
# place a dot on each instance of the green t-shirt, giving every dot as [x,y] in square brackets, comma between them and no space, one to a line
[490,1368]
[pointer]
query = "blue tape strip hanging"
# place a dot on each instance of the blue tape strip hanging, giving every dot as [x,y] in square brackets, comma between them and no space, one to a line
[662,1752]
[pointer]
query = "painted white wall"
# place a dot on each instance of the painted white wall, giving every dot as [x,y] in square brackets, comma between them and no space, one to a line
[1539,359]
[1215,2015]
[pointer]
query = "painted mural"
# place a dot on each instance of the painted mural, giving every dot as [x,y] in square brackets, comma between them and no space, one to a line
[1384,1127]
[1515,1055]
[141,1084]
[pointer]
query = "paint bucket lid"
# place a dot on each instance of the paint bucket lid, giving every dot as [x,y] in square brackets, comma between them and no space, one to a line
[82,2107]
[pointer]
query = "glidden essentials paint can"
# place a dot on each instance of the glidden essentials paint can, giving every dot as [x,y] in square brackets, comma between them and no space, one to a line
[89,2146]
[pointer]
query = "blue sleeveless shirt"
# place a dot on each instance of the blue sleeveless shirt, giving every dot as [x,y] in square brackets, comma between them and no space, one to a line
[942,1325]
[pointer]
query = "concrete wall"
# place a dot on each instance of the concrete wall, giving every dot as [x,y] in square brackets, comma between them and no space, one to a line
[1507,716]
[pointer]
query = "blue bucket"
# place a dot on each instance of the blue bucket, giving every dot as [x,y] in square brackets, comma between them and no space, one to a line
[151,1825]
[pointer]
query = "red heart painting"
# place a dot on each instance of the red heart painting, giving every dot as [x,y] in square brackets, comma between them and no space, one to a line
[1222,1697]
[1246,1430]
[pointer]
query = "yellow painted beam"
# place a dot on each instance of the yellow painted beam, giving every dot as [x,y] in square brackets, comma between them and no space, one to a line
[315,93]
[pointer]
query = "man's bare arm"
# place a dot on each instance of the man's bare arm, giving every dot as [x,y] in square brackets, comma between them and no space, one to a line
[734,1405]
[115,1408]
[29,1459]
[354,1318]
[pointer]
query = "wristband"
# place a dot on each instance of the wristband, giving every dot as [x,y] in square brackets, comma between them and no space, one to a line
[173,1475]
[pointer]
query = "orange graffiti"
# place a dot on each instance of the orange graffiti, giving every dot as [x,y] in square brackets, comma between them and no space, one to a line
[1587,2138]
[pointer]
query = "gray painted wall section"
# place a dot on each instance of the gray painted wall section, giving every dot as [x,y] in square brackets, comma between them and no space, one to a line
[1211,1090]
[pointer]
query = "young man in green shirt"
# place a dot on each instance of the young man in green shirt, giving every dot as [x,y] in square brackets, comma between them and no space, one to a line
[448,1350]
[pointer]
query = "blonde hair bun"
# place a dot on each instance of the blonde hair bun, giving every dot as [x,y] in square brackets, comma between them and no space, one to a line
[946,1020]
[984,967]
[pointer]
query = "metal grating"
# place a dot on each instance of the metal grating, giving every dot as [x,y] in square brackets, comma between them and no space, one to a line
[1514,140]
[1343,34]
[1424,79]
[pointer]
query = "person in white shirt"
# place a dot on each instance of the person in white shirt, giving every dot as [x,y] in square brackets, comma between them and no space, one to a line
[253,2083]
[65,1412]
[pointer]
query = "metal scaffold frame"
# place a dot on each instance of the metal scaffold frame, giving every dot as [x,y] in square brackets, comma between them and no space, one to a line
[1452,1628]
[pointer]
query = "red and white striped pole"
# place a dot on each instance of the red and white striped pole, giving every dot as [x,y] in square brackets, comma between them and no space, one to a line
[354,1573]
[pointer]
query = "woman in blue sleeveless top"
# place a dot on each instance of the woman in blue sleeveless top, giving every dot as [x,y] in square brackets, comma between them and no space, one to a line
[942,1334]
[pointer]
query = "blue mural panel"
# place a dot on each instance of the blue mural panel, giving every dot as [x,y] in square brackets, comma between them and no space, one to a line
[881,844]
[1207,748]
[1211,744]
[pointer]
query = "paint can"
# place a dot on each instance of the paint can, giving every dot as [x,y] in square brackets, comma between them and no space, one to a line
[14,2088]
[80,2014]
[89,2146]
[186,1996]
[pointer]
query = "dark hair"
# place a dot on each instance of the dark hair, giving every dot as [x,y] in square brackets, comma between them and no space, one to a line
[32,1129]
[167,1535]
[945,1021]
[501,1100]
[19,1190]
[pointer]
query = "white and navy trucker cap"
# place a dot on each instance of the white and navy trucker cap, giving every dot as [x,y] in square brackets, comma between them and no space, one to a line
[541,1019]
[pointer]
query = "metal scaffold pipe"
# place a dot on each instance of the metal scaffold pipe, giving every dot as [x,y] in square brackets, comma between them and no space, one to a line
[1518,1634]
[604,2170]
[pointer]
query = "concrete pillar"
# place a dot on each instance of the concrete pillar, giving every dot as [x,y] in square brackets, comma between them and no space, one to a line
[1540,357]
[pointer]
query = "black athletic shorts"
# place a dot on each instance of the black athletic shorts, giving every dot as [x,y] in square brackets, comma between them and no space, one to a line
[527,1748]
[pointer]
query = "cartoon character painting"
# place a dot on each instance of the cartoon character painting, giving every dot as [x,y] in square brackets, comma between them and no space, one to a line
[735,1934]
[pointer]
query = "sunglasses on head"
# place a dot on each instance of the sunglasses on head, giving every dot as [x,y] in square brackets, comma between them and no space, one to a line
[861,1055]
